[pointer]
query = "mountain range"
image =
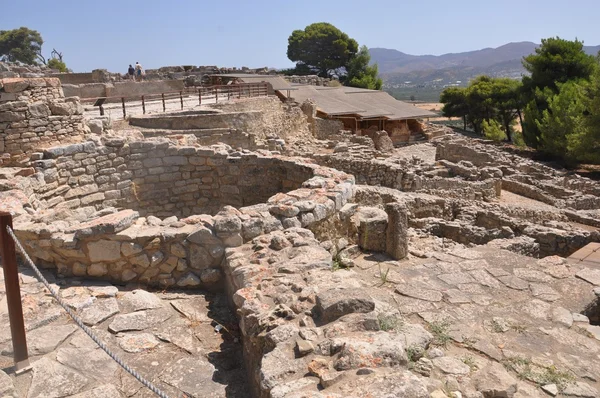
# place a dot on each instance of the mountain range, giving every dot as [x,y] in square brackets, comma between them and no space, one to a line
[396,67]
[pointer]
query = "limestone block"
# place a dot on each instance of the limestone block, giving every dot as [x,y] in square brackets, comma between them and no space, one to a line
[372,225]
[97,269]
[39,110]
[104,250]
[130,248]
[397,239]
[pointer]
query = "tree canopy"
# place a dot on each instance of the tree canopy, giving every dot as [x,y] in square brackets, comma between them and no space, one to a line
[488,105]
[322,47]
[22,44]
[360,73]
[555,62]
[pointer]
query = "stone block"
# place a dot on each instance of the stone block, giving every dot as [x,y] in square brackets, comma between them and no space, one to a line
[335,303]
[397,228]
[372,228]
[104,250]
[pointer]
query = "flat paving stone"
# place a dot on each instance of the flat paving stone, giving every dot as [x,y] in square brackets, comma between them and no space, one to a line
[100,311]
[53,380]
[419,293]
[138,320]
[589,275]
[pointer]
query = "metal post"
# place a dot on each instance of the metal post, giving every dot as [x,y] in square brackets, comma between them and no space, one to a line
[181,99]
[143,105]
[163,101]
[123,103]
[13,294]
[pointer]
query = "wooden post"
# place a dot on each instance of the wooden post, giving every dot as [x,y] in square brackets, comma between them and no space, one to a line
[163,101]
[181,99]
[216,94]
[239,91]
[101,110]
[200,96]
[143,105]
[123,103]
[13,294]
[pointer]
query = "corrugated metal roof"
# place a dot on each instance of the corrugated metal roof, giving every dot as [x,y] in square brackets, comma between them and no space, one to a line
[277,82]
[362,102]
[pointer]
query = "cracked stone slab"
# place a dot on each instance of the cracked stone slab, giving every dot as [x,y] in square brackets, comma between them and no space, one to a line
[138,320]
[544,292]
[419,293]
[514,282]
[485,279]
[100,311]
[52,379]
[93,363]
[589,275]
[45,339]
[137,342]
[7,388]
[456,278]
[193,376]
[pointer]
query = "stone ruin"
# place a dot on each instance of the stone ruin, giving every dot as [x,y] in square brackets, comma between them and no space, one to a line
[443,269]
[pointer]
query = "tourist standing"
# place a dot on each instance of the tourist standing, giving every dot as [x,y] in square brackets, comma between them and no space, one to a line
[139,71]
[131,72]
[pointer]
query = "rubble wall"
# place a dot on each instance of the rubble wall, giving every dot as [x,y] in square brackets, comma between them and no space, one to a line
[88,181]
[277,119]
[34,114]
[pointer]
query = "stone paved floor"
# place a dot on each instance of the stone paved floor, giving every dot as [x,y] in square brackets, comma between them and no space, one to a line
[170,338]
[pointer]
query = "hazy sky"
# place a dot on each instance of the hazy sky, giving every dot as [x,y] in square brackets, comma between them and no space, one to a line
[113,34]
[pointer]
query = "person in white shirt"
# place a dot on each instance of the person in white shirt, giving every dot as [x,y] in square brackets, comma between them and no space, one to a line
[139,72]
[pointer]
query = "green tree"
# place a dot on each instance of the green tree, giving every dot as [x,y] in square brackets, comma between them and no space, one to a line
[564,117]
[507,99]
[583,143]
[455,103]
[55,63]
[492,130]
[322,47]
[360,74]
[486,100]
[23,45]
[555,62]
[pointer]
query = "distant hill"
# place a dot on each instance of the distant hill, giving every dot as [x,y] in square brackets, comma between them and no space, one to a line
[397,67]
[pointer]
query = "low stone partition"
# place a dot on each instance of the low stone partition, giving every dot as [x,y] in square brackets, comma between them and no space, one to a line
[34,114]
[122,89]
[519,175]
[189,120]
[72,223]
[404,176]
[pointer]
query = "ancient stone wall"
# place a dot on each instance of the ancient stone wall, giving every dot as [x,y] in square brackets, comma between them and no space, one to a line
[278,119]
[34,115]
[88,181]
[407,178]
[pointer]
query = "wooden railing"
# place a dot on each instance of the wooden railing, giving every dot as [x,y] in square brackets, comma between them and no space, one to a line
[203,94]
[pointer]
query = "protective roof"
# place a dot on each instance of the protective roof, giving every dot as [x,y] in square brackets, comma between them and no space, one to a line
[337,101]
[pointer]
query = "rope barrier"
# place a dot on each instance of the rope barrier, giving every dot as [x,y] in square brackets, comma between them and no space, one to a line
[79,322]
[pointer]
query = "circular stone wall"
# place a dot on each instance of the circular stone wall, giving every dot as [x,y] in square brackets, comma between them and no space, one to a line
[90,207]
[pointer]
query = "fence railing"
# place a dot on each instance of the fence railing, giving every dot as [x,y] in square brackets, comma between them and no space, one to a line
[197,96]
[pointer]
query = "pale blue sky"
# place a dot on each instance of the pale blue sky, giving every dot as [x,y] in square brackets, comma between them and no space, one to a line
[113,34]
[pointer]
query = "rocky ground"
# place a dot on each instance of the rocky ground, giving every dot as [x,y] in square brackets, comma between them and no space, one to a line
[187,344]
[459,322]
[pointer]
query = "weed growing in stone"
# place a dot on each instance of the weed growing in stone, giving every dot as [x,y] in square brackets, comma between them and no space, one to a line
[439,330]
[383,275]
[414,352]
[388,322]
[470,362]
[525,369]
